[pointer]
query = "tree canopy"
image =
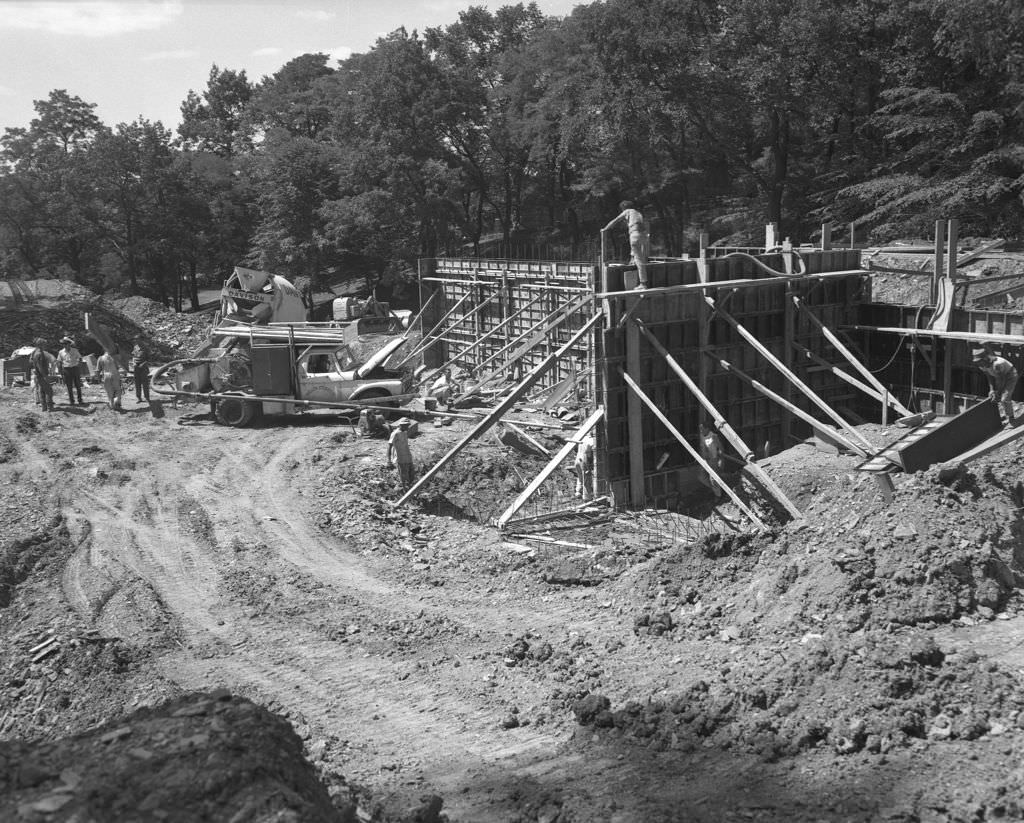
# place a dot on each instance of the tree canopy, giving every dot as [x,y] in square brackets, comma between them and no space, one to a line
[510,128]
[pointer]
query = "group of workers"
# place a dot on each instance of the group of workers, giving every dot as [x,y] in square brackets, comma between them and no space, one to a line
[68,366]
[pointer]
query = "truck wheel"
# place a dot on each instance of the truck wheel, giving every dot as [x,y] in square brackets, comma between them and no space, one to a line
[235,412]
[377,397]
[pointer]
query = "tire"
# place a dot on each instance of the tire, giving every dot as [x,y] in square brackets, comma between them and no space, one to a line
[376,397]
[235,412]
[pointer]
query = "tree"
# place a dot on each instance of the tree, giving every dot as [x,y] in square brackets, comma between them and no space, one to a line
[215,121]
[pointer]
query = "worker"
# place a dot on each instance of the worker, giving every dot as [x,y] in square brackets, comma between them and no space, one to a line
[711,451]
[639,238]
[69,360]
[140,371]
[107,368]
[584,467]
[444,388]
[398,445]
[41,364]
[1002,379]
[371,424]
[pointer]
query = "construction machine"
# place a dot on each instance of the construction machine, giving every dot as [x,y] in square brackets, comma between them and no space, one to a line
[283,374]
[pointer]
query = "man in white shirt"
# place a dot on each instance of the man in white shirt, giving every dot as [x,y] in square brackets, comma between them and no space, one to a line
[398,444]
[69,360]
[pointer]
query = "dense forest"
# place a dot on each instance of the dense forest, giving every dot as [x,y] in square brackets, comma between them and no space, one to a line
[512,130]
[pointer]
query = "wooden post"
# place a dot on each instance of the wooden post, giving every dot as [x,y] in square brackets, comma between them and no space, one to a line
[796,381]
[544,473]
[634,412]
[947,376]
[853,230]
[771,231]
[788,334]
[885,408]
[702,240]
[730,434]
[495,414]
[826,236]
[951,233]
[940,241]
[715,477]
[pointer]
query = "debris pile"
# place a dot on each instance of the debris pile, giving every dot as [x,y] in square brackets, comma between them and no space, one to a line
[202,757]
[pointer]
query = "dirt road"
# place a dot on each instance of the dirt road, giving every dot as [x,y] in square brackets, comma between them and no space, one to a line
[422,662]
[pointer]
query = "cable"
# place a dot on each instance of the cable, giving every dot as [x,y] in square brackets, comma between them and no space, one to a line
[899,345]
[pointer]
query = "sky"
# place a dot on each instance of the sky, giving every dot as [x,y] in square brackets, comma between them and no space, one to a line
[137,58]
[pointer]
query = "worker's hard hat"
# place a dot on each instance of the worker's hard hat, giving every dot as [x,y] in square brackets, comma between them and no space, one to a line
[980,353]
[404,421]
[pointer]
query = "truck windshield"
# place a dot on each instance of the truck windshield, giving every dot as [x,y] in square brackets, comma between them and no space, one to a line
[345,359]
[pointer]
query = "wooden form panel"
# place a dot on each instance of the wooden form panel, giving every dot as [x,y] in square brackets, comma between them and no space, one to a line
[909,369]
[678,320]
[527,293]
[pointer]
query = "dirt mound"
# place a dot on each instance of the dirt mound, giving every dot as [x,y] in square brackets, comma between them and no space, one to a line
[202,757]
[165,333]
[871,692]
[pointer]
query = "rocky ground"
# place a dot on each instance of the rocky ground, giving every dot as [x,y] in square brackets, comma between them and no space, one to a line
[209,623]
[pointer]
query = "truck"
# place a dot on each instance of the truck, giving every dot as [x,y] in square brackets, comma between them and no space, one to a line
[259,377]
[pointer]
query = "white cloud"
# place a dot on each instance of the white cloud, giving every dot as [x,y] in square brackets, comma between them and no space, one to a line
[90,18]
[318,15]
[268,51]
[175,54]
[339,52]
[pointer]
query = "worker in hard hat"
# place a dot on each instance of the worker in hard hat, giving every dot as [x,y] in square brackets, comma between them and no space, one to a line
[398,445]
[107,367]
[1002,379]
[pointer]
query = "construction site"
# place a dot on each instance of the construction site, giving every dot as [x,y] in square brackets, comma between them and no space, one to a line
[744,543]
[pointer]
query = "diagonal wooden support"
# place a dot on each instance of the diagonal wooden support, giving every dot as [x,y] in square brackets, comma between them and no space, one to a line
[885,397]
[804,389]
[484,338]
[810,420]
[696,455]
[544,473]
[419,315]
[539,332]
[757,474]
[524,386]
[840,347]
[428,338]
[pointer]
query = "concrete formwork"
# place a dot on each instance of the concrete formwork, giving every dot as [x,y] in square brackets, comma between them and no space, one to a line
[638,460]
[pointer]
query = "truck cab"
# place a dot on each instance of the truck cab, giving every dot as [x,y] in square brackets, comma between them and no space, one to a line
[331,374]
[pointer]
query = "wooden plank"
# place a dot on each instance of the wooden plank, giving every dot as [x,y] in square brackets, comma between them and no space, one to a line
[488,335]
[971,337]
[495,414]
[692,451]
[546,472]
[822,429]
[980,252]
[730,434]
[539,332]
[745,283]
[796,381]
[840,347]
[426,342]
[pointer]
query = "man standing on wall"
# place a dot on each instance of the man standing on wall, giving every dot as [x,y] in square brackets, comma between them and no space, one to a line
[639,238]
[1002,379]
